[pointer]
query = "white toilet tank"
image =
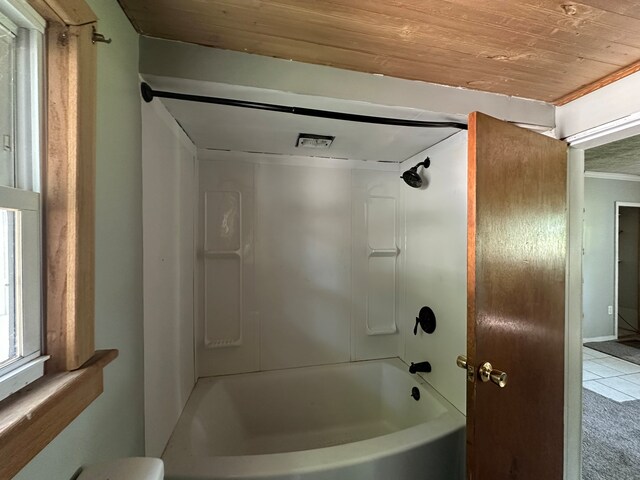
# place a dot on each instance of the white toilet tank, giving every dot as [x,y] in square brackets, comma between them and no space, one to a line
[141,468]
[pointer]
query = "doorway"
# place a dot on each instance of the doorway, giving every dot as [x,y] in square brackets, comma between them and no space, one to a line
[627,273]
[611,367]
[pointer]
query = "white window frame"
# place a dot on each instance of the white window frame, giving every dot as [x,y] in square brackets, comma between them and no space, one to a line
[18,17]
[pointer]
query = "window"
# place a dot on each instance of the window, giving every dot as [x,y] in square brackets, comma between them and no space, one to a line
[21,38]
[31,417]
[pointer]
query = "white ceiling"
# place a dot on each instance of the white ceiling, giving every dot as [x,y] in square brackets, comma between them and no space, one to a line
[621,156]
[219,127]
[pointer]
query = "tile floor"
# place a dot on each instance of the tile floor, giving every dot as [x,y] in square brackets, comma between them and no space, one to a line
[609,376]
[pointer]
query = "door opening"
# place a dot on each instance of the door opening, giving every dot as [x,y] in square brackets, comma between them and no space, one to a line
[611,283]
[627,272]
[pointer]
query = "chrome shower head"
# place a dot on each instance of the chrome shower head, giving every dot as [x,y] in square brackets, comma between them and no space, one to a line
[412,178]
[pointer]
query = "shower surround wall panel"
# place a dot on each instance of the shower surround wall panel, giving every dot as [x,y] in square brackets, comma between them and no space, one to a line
[168,200]
[433,265]
[297,262]
[376,229]
[227,328]
[303,265]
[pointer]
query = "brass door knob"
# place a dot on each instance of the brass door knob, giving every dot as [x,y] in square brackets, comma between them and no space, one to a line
[487,373]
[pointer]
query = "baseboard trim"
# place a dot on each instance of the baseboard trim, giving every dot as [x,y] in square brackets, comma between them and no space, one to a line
[599,339]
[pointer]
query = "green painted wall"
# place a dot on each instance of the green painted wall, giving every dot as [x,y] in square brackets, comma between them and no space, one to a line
[113,425]
[600,197]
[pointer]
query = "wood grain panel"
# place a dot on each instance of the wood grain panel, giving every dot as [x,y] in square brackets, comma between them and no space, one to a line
[516,300]
[379,31]
[571,17]
[69,198]
[622,7]
[45,11]
[69,12]
[443,69]
[535,49]
[34,416]
[74,12]
[490,27]
[603,82]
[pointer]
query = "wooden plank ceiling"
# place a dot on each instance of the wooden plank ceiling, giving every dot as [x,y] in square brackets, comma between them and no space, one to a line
[550,50]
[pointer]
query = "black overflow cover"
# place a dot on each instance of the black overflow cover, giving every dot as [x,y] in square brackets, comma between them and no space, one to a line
[415,393]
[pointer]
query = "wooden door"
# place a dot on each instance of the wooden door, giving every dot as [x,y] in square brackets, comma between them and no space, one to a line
[517,227]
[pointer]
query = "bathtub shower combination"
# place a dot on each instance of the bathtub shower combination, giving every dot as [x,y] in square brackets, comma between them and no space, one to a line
[309,275]
[368,420]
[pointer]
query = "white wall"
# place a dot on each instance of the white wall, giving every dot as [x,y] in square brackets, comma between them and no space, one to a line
[287,276]
[112,426]
[613,102]
[599,244]
[434,266]
[168,202]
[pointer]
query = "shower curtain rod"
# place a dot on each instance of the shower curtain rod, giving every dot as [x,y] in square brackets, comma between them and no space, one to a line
[149,94]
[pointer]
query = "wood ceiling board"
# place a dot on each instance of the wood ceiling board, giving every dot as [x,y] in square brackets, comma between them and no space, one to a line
[330,54]
[433,46]
[603,82]
[622,7]
[497,25]
[441,71]
[434,22]
[585,20]
[239,129]
[363,30]
[533,49]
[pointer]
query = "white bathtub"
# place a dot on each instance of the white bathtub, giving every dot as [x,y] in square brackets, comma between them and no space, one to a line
[354,421]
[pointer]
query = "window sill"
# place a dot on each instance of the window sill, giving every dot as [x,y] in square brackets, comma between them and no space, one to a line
[32,417]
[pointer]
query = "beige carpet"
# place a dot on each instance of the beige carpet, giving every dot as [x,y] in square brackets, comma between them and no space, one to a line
[611,438]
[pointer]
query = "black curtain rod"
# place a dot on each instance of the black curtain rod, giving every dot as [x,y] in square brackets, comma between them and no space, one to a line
[149,94]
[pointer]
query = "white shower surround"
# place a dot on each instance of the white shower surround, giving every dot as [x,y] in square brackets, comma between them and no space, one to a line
[308,261]
[353,421]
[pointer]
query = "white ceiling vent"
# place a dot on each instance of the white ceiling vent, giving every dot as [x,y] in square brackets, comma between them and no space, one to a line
[310,140]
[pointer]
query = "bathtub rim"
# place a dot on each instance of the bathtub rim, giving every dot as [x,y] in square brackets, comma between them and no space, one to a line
[179,460]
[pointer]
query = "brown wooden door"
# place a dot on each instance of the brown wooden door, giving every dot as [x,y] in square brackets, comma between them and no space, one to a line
[516,301]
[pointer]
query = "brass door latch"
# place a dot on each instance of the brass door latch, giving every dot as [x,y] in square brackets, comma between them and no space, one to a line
[461,361]
[486,372]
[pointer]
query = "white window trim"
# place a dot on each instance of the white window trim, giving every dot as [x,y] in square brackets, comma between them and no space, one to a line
[28,366]
[22,376]
[7,23]
[23,15]
[28,255]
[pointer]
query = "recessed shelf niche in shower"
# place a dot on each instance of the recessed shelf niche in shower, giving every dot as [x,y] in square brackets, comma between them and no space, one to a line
[382,252]
[223,260]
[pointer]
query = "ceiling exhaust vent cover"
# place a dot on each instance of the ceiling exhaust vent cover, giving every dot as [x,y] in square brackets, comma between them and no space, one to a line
[310,140]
